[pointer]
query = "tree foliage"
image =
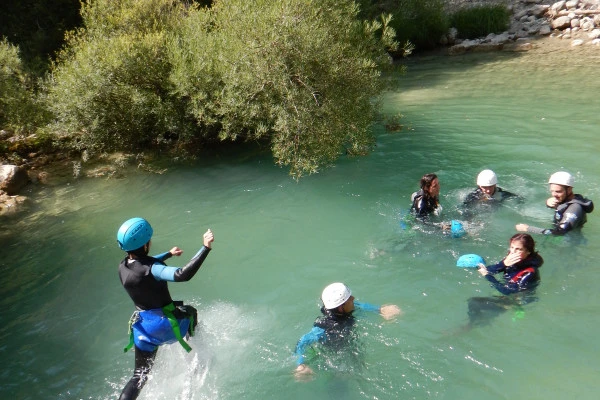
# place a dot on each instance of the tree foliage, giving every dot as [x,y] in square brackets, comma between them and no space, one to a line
[303,75]
[19,110]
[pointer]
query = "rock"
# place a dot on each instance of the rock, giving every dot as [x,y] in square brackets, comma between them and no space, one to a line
[11,204]
[576,42]
[561,23]
[559,5]
[12,179]
[571,4]
[595,34]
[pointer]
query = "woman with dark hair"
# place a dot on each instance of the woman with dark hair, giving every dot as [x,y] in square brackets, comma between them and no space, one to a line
[520,266]
[426,201]
[521,275]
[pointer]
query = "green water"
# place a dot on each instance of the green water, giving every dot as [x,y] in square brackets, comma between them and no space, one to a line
[64,314]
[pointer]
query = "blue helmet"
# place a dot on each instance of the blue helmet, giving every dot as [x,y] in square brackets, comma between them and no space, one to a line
[134,233]
[469,261]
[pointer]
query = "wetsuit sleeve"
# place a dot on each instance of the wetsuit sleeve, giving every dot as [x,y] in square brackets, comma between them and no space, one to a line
[494,269]
[163,256]
[316,334]
[186,273]
[173,274]
[366,306]
[570,219]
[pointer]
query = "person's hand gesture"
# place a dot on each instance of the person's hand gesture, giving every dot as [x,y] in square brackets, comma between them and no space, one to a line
[208,238]
[176,251]
[389,311]
[521,227]
[552,202]
[303,373]
[512,259]
[482,269]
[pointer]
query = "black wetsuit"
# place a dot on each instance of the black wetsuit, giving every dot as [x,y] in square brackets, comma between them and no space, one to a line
[568,216]
[423,205]
[145,280]
[519,282]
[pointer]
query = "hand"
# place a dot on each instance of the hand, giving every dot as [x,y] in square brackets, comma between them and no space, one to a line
[208,238]
[521,227]
[176,251]
[389,311]
[512,259]
[303,373]
[552,202]
[482,269]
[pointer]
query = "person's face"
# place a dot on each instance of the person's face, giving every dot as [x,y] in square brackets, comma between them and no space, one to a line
[559,192]
[348,306]
[434,188]
[516,247]
[489,190]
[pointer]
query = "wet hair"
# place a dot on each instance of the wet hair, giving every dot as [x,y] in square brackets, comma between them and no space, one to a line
[426,182]
[140,252]
[526,240]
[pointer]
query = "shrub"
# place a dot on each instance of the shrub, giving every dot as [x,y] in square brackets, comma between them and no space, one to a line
[19,109]
[302,74]
[110,87]
[481,20]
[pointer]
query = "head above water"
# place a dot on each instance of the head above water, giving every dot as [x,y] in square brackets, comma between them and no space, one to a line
[335,295]
[134,234]
[487,177]
[526,241]
[430,185]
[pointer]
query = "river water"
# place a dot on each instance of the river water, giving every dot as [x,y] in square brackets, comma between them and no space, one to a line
[63,320]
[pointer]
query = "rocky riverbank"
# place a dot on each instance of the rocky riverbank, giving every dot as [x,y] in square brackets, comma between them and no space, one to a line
[576,22]
[561,25]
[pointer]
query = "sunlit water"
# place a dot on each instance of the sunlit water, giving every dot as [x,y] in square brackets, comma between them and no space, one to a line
[63,318]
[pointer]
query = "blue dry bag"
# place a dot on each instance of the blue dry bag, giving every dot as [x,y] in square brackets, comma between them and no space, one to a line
[469,261]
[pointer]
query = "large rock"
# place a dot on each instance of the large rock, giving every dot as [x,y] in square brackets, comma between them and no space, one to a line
[561,23]
[12,179]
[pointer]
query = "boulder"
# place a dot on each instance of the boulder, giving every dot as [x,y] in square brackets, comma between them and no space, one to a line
[12,179]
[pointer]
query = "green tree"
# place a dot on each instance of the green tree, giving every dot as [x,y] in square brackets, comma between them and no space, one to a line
[304,75]
[19,111]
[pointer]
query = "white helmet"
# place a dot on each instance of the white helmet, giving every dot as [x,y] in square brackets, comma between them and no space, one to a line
[335,295]
[487,177]
[561,178]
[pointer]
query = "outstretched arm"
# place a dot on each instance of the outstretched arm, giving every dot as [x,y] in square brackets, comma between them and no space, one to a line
[387,311]
[166,273]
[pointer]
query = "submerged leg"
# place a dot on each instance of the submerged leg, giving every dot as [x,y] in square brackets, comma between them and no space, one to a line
[484,309]
[143,365]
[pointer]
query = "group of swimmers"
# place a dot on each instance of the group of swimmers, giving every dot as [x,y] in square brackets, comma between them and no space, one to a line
[520,267]
[159,320]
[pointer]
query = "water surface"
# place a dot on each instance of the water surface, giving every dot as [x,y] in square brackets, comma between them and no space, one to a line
[279,242]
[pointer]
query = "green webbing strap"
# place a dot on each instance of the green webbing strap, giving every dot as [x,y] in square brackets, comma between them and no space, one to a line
[132,321]
[168,311]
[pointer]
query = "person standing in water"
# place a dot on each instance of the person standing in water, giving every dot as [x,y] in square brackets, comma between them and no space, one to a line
[334,327]
[158,319]
[520,274]
[487,190]
[570,208]
[426,201]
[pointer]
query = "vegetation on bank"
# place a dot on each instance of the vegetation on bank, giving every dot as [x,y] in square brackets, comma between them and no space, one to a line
[303,76]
